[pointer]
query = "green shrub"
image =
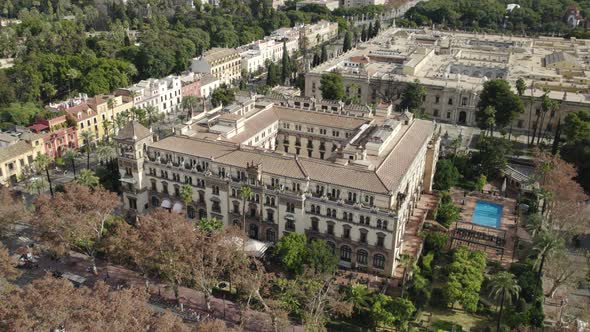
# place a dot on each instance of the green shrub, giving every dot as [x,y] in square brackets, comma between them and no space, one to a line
[447,214]
[435,242]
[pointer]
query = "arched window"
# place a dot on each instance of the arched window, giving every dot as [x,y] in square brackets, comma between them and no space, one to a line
[270,235]
[379,261]
[362,257]
[155,201]
[345,253]
[253,232]
[191,212]
[332,246]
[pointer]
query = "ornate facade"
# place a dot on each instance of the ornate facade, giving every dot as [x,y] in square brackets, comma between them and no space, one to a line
[343,174]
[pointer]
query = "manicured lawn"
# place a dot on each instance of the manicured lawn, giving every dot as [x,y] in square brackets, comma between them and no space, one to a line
[468,322]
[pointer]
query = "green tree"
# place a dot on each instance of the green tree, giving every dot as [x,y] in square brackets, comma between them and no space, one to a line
[364,34]
[324,54]
[376,28]
[465,278]
[447,214]
[285,65]
[446,175]
[87,137]
[42,163]
[545,245]
[406,261]
[321,258]
[360,297]
[503,287]
[412,97]
[347,44]
[487,120]
[223,96]
[246,194]
[70,156]
[331,86]
[189,103]
[481,182]
[498,94]
[272,76]
[210,224]
[88,178]
[186,193]
[576,126]
[291,249]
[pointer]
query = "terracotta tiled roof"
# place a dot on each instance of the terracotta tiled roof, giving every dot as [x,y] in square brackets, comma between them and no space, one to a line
[401,157]
[271,162]
[133,131]
[14,150]
[345,176]
[195,147]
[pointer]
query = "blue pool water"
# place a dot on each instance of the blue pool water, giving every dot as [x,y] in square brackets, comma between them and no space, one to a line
[487,214]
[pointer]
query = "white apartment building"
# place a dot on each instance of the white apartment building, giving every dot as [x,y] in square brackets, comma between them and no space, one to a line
[223,63]
[314,34]
[361,3]
[164,94]
[333,172]
[256,54]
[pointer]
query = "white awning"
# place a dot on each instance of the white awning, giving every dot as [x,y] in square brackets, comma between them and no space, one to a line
[166,204]
[177,207]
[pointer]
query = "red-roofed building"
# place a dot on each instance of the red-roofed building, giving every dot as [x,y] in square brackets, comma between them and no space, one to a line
[58,135]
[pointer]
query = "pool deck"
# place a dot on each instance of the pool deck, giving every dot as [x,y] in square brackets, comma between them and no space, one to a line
[508,222]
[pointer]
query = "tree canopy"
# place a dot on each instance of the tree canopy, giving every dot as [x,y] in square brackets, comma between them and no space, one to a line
[331,86]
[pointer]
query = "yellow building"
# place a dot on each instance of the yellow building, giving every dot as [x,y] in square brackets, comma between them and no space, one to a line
[15,159]
[97,115]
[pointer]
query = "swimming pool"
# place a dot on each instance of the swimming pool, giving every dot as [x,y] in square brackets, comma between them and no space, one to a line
[487,214]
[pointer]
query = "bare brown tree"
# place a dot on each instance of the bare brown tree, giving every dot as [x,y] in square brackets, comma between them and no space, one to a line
[75,220]
[564,198]
[162,244]
[48,304]
[12,210]
[562,270]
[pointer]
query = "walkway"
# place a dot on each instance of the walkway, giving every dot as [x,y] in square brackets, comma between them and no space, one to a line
[411,241]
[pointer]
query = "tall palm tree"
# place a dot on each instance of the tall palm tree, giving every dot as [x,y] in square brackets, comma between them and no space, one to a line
[534,224]
[546,244]
[186,193]
[246,195]
[531,102]
[107,125]
[70,156]
[503,287]
[152,114]
[120,121]
[88,178]
[87,137]
[359,296]
[546,105]
[555,105]
[189,103]
[407,262]
[138,114]
[42,162]
[520,89]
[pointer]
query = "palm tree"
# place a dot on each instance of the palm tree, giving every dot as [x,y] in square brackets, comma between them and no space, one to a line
[151,113]
[555,105]
[189,103]
[106,153]
[70,156]
[503,287]
[88,178]
[186,193]
[87,137]
[42,162]
[120,121]
[35,185]
[407,262]
[531,102]
[520,89]
[534,224]
[546,105]
[359,296]
[246,194]
[546,244]
[107,125]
